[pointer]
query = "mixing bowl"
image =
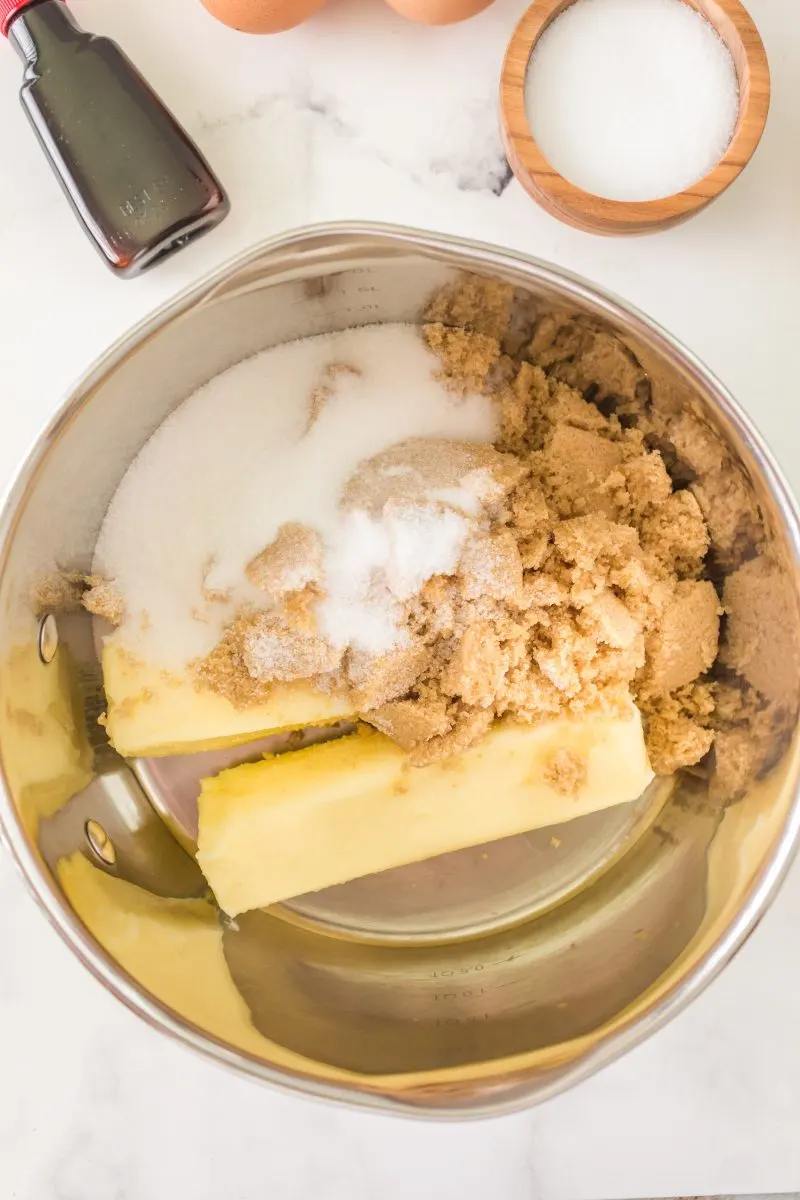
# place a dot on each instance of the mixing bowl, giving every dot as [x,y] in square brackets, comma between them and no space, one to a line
[472,984]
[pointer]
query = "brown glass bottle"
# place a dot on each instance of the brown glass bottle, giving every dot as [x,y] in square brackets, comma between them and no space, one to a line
[138,184]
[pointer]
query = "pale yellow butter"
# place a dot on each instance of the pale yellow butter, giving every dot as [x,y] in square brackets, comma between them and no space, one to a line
[152,713]
[311,818]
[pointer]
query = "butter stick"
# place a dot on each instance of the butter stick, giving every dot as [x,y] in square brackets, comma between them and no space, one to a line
[311,818]
[151,714]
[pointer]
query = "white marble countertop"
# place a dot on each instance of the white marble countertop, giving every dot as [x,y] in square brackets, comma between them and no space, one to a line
[361,115]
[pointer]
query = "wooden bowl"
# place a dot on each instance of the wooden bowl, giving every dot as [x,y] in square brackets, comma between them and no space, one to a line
[595,214]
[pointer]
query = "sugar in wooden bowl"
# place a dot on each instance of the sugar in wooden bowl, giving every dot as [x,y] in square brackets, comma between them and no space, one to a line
[629,116]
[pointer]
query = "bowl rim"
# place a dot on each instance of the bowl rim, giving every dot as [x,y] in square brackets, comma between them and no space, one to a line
[517,1092]
[597,214]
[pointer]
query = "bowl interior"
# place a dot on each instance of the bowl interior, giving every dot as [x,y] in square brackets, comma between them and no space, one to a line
[473,981]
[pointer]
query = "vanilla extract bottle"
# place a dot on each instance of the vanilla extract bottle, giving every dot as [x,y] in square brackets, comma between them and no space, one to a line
[139,186]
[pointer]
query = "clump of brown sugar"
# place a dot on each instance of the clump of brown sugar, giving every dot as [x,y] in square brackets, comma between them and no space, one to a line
[56,591]
[326,388]
[698,456]
[283,651]
[679,732]
[408,472]
[290,563]
[683,645]
[104,599]
[590,360]
[68,591]
[465,727]
[225,670]
[756,705]
[260,649]
[761,645]
[415,721]
[374,680]
[478,306]
[566,772]
[467,358]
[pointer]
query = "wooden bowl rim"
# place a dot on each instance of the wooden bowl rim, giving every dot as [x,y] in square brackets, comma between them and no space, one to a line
[596,213]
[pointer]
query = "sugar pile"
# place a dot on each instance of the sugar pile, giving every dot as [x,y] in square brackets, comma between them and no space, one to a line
[270,441]
[632,99]
[372,565]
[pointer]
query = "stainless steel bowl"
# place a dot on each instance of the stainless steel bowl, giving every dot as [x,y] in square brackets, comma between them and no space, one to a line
[479,983]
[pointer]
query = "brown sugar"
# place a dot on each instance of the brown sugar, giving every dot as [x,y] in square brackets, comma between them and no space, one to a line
[566,772]
[258,650]
[731,514]
[595,544]
[411,723]
[609,622]
[675,741]
[56,591]
[588,359]
[595,521]
[290,563]
[679,732]
[746,752]
[477,668]
[376,679]
[575,468]
[467,358]
[648,483]
[325,389]
[225,669]
[761,645]
[491,566]
[103,599]
[68,591]
[684,643]
[468,727]
[411,470]
[698,456]
[750,733]
[603,544]
[275,649]
[675,531]
[479,306]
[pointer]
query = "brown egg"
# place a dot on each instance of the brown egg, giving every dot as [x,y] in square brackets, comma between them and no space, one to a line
[438,12]
[262,16]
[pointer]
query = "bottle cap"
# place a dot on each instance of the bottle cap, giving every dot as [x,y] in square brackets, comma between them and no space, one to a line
[10,9]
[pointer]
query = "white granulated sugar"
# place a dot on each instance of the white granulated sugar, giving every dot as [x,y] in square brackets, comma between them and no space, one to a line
[373,564]
[237,460]
[470,496]
[358,609]
[632,99]
[422,542]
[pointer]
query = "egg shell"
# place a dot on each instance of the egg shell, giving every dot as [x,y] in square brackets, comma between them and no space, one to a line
[262,16]
[438,12]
